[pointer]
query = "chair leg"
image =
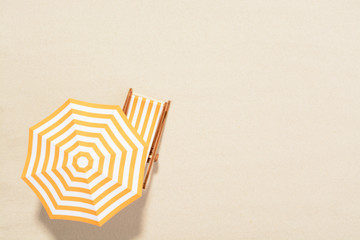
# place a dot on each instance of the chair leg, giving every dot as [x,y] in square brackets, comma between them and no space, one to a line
[148,173]
[127,101]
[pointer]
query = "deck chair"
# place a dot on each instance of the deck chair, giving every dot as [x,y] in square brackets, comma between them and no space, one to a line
[148,117]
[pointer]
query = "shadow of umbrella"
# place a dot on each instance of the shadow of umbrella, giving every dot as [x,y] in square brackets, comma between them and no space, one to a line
[125,225]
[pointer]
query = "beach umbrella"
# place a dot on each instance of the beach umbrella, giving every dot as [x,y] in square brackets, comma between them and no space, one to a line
[85,162]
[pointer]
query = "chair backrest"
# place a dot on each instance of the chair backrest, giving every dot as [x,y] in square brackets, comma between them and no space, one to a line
[144,114]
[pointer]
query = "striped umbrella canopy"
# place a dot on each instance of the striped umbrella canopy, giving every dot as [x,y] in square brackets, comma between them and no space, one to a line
[85,162]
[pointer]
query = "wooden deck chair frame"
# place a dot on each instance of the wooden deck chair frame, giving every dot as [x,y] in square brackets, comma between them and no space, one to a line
[153,154]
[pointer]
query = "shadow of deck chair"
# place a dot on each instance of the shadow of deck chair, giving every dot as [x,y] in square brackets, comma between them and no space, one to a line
[147,116]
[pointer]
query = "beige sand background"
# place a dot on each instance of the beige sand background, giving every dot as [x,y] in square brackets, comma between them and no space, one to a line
[262,140]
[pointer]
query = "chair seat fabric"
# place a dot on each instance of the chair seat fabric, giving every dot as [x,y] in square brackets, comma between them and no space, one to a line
[144,114]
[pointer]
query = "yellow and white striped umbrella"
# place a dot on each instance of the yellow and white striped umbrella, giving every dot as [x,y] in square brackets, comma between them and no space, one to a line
[85,162]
